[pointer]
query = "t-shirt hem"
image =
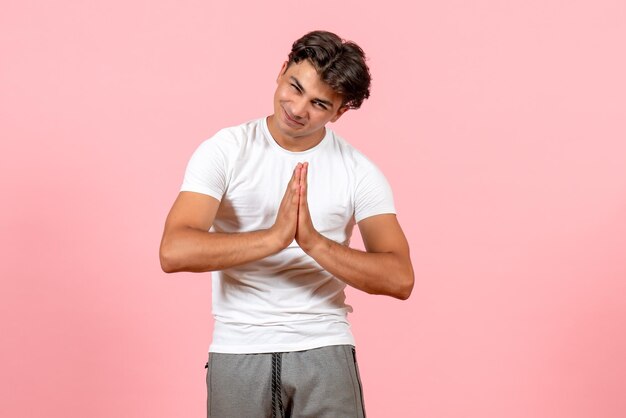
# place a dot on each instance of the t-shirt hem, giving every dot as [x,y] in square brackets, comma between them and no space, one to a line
[374,213]
[277,348]
[202,190]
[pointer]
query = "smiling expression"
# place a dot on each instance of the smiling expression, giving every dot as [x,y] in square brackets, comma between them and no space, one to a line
[303,105]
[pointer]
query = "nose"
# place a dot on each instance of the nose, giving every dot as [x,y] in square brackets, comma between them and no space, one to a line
[298,108]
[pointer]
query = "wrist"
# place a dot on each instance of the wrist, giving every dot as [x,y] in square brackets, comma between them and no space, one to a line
[314,244]
[276,240]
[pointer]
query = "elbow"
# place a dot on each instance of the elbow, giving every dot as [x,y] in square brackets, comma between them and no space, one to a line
[167,259]
[405,279]
[166,267]
[398,285]
[174,258]
[405,286]
[166,264]
[404,292]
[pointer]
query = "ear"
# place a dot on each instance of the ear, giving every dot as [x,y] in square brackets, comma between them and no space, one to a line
[340,111]
[282,70]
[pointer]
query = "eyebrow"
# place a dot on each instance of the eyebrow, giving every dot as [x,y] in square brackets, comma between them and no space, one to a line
[297,83]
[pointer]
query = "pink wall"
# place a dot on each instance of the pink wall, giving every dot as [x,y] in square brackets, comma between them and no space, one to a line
[501,126]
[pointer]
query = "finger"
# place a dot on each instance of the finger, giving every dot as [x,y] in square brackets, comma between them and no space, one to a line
[298,174]
[303,180]
[293,185]
[294,175]
[296,183]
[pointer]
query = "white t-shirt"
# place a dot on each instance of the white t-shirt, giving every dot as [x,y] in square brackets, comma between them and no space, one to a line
[287,301]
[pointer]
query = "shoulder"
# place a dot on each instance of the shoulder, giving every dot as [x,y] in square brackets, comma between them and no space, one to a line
[232,138]
[356,159]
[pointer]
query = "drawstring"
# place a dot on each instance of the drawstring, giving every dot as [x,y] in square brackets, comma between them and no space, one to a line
[277,398]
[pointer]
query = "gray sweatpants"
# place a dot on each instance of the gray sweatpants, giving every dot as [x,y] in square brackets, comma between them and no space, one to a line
[319,383]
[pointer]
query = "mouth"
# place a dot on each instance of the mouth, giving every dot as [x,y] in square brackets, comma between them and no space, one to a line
[291,121]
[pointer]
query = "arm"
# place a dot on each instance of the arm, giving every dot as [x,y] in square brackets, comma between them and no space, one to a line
[384,268]
[187,245]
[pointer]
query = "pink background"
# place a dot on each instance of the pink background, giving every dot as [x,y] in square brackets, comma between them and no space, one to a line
[500,125]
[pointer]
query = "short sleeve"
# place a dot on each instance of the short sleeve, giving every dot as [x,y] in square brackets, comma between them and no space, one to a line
[207,170]
[373,195]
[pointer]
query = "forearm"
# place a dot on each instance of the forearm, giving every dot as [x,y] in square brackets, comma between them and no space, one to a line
[375,273]
[189,249]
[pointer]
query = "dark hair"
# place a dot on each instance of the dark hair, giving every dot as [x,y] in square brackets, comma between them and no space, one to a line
[339,63]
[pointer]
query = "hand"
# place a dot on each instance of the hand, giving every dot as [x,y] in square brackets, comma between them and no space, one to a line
[307,236]
[284,228]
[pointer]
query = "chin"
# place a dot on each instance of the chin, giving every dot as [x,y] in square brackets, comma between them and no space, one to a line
[285,127]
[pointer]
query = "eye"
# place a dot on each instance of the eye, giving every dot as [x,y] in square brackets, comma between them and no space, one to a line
[320,105]
[295,87]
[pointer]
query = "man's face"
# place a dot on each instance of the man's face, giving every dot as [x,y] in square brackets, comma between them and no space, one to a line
[303,104]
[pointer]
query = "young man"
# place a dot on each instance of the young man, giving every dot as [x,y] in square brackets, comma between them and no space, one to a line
[270,206]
